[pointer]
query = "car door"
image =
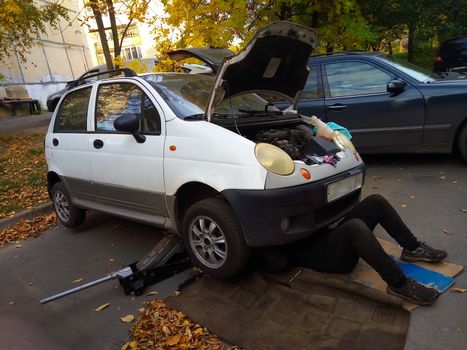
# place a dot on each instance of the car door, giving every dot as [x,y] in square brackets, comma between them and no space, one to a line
[356,97]
[128,175]
[69,142]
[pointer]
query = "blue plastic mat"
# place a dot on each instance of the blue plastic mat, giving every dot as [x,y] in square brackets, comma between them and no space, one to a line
[427,277]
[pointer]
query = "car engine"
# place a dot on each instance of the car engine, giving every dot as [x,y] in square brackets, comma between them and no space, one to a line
[297,142]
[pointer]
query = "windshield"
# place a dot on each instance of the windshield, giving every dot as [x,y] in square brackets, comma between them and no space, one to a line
[187,95]
[418,73]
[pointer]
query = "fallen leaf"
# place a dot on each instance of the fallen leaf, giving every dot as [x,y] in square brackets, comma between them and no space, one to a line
[177,292]
[151,293]
[463,210]
[18,246]
[141,310]
[403,205]
[102,307]
[443,177]
[12,302]
[455,182]
[173,340]
[111,260]
[399,180]
[77,280]
[128,318]
[412,197]
[31,283]
[459,290]
[447,232]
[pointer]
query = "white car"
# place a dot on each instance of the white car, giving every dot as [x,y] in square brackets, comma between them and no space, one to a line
[205,157]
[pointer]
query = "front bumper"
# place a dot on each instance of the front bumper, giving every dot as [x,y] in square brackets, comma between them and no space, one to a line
[261,213]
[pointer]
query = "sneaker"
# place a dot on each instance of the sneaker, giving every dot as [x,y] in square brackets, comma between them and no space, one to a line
[415,292]
[423,253]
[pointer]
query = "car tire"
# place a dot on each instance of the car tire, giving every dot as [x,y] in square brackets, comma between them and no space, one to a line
[214,239]
[67,213]
[462,142]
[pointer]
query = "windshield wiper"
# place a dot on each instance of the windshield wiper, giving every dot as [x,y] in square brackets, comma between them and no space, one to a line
[195,117]
[256,111]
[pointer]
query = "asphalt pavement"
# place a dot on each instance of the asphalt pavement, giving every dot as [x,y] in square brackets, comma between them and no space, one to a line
[428,191]
[31,123]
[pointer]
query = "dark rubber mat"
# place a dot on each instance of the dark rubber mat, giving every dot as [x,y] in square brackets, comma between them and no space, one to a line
[300,309]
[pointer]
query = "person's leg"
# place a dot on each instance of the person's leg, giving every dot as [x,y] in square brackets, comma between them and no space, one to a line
[375,209]
[338,251]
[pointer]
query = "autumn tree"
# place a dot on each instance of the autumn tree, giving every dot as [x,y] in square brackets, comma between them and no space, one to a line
[220,23]
[22,21]
[131,10]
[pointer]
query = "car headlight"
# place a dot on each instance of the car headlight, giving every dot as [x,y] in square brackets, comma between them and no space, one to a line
[343,142]
[274,159]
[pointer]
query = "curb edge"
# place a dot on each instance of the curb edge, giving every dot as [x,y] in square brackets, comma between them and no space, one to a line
[26,214]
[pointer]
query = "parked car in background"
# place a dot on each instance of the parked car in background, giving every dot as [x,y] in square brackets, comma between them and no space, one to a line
[204,156]
[388,105]
[452,56]
[89,76]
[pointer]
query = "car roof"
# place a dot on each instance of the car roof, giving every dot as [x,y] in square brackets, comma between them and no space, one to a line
[346,54]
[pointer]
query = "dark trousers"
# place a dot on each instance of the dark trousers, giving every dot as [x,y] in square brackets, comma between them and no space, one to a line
[338,250]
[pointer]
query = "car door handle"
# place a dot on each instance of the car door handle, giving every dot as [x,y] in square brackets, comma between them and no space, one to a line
[337,107]
[55,142]
[98,143]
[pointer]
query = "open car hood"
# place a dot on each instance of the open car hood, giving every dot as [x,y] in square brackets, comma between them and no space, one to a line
[212,57]
[275,60]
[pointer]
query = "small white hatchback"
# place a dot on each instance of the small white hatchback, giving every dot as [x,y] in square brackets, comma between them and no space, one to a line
[209,158]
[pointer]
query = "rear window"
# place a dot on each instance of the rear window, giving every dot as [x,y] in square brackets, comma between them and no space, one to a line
[454,46]
[73,112]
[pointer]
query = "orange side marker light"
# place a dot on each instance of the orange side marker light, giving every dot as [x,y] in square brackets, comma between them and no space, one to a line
[172,147]
[305,173]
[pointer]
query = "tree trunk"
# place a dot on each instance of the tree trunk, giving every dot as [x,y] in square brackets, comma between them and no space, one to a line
[102,36]
[113,27]
[411,44]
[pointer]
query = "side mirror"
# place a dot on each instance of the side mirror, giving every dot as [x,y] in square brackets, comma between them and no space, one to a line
[396,86]
[129,123]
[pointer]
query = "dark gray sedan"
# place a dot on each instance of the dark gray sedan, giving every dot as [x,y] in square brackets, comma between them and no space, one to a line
[388,105]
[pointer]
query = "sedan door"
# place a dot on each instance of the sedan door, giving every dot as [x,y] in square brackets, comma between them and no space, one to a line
[128,175]
[357,98]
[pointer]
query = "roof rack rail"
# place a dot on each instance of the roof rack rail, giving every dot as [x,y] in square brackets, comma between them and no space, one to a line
[127,71]
[347,52]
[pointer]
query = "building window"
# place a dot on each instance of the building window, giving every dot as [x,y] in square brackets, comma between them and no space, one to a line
[132,52]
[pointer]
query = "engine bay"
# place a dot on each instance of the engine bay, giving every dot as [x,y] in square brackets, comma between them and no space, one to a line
[298,142]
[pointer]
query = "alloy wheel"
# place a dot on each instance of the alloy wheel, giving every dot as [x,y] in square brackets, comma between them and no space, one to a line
[208,241]
[62,206]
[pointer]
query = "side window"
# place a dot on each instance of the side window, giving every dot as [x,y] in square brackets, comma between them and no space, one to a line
[114,100]
[73,112]
[355,78]
[310,90]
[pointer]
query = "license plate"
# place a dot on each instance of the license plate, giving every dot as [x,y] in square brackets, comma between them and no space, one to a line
[345,186]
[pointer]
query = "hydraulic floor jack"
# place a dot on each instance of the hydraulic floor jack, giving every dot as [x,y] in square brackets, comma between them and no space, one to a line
[163,261]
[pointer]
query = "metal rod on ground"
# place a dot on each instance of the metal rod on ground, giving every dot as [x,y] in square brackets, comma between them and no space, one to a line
[121,273]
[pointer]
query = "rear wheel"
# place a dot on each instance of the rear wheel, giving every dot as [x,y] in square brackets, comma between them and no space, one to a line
[462,142]
[67,213]
[214,239]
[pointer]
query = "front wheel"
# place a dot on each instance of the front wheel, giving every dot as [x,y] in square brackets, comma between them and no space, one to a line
[214,239]
[68,214]
[462,142]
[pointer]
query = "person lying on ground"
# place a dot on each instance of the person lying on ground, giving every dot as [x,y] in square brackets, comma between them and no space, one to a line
[338,250]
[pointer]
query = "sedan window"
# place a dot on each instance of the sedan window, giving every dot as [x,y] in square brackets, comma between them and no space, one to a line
[355,78]
[310,90]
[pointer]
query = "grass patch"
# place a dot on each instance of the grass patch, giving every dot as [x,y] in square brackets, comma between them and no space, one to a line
[23,173]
